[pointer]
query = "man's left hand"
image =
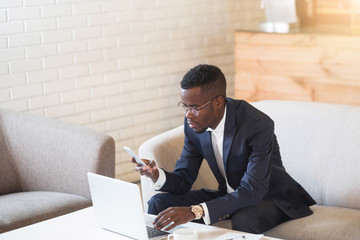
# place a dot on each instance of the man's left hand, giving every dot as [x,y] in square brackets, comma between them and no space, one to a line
[174,215]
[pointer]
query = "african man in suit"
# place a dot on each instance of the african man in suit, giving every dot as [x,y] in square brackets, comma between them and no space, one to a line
[240,146]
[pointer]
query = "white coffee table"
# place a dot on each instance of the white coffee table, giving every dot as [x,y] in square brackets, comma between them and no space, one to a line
[82,225]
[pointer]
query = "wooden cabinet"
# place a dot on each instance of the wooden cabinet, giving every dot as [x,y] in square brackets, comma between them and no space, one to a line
[330,16]
[297,66]
[338,15]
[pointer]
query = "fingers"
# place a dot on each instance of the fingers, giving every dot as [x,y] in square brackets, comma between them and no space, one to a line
[161,214]
[148,163]
[172,217]
[149,170]
[151,163]
[165,219]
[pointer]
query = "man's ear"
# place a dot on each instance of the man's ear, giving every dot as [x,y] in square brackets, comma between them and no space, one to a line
[220,100]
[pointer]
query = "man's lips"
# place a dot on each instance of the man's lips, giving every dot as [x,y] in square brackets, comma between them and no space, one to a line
[191,124]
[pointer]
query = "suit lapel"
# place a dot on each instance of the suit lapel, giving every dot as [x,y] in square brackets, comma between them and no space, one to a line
[229,131]
[229,134]
[206,145]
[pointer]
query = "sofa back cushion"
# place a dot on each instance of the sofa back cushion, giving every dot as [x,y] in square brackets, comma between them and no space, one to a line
[320,148]
[9,181]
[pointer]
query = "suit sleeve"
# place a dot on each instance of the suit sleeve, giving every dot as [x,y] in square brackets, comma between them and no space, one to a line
[255,182]
[187,167]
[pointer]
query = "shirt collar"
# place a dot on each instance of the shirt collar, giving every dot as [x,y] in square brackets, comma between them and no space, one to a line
[220,127]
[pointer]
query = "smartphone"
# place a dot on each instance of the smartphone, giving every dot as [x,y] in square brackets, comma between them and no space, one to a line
[134,156]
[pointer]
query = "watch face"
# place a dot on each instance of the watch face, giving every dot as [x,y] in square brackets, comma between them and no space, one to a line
[198,211]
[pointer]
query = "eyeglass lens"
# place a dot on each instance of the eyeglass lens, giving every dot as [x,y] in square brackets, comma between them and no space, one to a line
[186,109]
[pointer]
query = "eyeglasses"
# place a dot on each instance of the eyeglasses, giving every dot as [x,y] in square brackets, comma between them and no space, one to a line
[193,110]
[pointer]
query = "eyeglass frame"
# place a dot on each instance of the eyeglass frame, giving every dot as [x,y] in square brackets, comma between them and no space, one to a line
[193,110]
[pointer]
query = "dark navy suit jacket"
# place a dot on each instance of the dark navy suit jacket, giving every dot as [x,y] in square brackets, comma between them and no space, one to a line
[252,163]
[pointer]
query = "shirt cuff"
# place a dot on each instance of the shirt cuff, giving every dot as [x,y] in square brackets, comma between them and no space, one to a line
[206,217]
[161,180]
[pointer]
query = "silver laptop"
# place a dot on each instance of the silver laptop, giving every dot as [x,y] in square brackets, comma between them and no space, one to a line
[118,208]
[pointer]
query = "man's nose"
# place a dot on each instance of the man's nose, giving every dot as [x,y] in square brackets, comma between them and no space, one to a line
[189,114]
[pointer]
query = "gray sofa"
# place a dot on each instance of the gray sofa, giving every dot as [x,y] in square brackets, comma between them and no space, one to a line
[320,148]
[43,166]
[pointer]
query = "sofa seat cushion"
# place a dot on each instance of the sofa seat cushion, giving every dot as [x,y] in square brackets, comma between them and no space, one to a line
[327,222]
[24,208]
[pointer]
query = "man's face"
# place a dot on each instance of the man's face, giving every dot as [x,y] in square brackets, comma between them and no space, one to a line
[208,115]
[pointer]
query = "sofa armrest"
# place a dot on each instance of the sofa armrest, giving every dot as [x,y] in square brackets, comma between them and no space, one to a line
[51,155]
[166,149]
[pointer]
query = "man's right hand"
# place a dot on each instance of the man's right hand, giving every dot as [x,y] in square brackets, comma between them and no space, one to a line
[150,170]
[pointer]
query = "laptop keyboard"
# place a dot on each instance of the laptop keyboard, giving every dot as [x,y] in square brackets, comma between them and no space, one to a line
[152,232]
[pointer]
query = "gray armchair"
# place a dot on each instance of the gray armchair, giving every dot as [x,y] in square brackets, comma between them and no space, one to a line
[43,166]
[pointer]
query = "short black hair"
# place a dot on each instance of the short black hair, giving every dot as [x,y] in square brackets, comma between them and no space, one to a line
[208,77]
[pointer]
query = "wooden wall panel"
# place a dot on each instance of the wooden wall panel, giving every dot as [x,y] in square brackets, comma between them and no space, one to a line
[298,66]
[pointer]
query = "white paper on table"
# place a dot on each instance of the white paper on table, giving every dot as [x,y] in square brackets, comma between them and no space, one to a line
[239,236]
[280,11]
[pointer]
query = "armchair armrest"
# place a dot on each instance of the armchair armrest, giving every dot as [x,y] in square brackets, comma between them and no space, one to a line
[51,155]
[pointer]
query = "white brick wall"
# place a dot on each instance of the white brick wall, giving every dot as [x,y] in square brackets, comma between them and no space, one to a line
[112,65]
